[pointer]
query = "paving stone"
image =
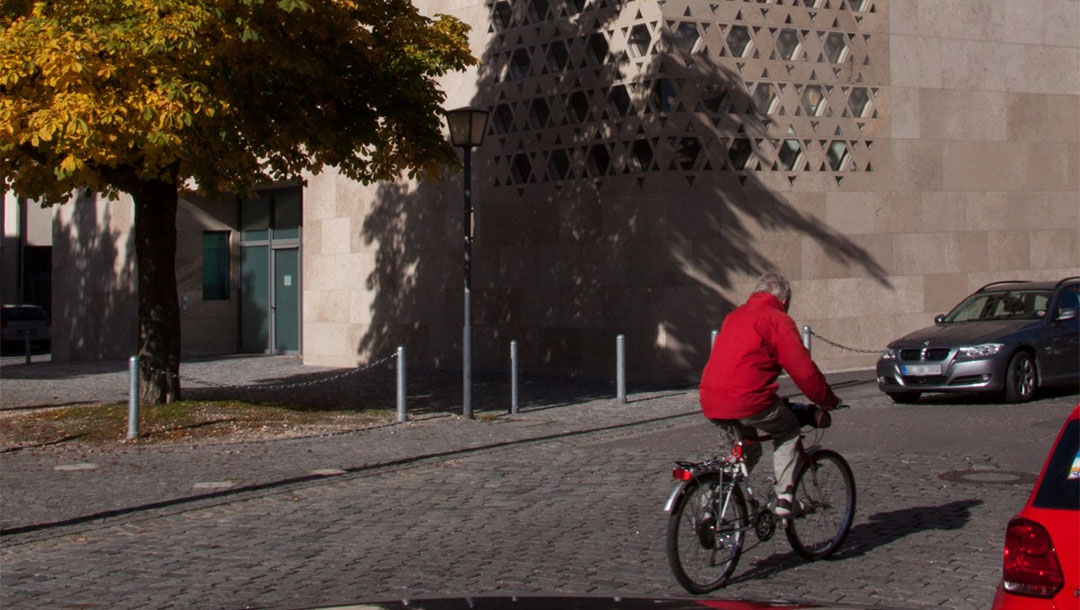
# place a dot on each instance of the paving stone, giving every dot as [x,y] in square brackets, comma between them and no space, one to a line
[558,499]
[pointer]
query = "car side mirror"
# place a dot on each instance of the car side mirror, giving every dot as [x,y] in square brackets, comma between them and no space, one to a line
[1067,313]
[939,319]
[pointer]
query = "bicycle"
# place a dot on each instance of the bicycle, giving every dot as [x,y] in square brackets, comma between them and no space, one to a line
[713,506]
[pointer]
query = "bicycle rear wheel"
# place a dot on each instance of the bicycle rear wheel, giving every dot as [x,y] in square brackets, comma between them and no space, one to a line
[703,539]
[825,497]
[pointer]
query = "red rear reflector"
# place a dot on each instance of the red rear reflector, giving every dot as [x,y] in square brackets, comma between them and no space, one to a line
[1030,565]
[681,474]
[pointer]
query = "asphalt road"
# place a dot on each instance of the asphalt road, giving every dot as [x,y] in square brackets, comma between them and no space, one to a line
[564,498]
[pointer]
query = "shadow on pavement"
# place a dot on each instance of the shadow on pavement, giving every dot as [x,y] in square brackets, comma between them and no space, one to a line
[881,530]
[426,392]
[886,528]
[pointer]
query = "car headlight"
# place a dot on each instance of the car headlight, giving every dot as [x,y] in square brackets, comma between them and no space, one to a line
[888,354]
[976,352]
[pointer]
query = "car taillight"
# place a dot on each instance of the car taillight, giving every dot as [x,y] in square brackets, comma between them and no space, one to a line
[682,474]
[1030,563]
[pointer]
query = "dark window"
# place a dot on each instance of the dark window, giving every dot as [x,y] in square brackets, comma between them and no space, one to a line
[619,101]
[254,219]
[521,169]
[215,285]
[503,119]
[538,114]
[503,15]
[519,64]
[639,40]
[740,153]
[663,95]
[1069,298]
[641,156]
[598,160]
[557,56]
[598,48]
[579,106]
[1060,486]
[559,165]
[686,152]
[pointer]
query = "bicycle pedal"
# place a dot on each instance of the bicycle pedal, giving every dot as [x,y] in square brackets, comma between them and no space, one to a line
[764,525]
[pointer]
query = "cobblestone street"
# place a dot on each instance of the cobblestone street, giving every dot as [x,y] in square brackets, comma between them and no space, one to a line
[558,499]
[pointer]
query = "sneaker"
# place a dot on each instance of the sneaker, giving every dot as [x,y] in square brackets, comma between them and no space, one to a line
[786,507]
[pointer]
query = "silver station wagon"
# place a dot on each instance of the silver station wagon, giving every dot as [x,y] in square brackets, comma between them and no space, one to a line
[1008,337]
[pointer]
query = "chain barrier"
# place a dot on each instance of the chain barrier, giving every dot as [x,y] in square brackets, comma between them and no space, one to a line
[844,347]
[279,386]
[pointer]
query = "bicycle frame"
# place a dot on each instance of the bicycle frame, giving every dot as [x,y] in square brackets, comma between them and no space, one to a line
[732,466]
[714,504]
[687,473]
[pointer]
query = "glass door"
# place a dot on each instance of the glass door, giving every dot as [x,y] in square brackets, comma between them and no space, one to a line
[254,299]
[286,310]
[270,272]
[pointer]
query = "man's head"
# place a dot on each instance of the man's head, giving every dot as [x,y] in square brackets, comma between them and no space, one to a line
[776,285]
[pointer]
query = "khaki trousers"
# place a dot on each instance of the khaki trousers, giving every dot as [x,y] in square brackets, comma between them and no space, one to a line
[777,421]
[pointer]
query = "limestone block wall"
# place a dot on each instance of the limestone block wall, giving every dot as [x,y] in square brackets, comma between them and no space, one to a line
[207,327]
[94,304]
[646,161]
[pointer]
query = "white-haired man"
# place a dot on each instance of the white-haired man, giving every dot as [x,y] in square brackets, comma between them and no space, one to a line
[738,388]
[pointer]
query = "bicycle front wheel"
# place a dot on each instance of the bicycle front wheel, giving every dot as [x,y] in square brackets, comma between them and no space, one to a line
[825,501]
[705,534]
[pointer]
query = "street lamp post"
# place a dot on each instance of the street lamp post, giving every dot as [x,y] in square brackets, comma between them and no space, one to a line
[466,131]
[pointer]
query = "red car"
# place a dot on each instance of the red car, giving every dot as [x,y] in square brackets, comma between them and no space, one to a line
[1041,566]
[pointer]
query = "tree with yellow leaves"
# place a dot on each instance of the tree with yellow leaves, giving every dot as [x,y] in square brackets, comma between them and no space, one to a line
[149,97]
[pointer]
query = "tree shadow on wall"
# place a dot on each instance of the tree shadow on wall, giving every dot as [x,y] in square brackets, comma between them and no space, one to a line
[605,204]
[97,316]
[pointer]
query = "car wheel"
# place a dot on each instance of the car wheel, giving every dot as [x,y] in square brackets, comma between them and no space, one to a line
[905,398]
[1020,378]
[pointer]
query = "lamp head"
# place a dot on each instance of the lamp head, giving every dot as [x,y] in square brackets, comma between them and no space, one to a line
[466,126]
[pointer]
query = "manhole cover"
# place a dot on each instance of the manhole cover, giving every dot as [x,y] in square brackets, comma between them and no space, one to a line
[989,477]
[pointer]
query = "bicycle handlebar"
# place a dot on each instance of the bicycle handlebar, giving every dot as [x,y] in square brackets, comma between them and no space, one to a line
[813,415]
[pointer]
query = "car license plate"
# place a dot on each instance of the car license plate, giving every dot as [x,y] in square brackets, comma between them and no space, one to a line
[916,370]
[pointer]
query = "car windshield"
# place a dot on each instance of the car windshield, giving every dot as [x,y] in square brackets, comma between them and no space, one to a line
[23,314]
[1060,487]
[1001,305]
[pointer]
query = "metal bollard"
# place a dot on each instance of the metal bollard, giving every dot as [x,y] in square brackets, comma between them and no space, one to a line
[806,337]
[620,368]
[514,377]
[401,415]
[133,398]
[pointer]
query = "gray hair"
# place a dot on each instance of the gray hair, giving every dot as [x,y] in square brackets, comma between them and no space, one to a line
[774,284]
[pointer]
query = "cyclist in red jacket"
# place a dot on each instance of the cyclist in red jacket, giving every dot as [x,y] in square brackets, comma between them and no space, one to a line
[738,387]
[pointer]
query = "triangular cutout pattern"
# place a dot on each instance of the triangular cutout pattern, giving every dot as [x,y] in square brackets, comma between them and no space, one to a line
[785,45]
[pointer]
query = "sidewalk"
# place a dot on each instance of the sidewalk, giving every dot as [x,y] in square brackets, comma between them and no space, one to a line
[286,379]
[168,473]
[283,379]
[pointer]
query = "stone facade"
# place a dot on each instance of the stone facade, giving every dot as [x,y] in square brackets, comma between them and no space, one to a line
[95,304]
[646,161]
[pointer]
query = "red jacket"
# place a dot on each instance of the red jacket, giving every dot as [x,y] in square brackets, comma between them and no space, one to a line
[755,343]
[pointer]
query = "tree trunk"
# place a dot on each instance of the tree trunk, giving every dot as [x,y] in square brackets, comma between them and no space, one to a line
[159,309]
